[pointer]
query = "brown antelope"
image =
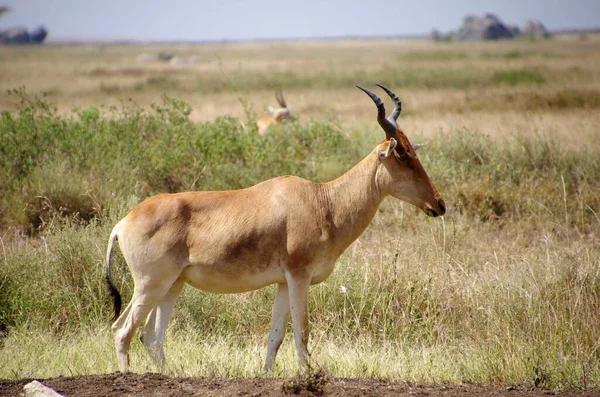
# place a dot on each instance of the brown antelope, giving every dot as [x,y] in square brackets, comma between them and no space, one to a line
[277,116]
[286,231]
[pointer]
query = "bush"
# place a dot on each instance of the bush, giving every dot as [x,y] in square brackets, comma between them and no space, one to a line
[143,152]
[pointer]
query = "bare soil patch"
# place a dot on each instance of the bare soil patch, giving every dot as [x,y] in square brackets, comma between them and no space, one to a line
[149,384]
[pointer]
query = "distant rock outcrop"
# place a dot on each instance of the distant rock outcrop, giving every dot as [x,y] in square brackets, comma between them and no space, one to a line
[535,30]
[38,35]
[20,35]
[14,36]
[488,27]
[515,30]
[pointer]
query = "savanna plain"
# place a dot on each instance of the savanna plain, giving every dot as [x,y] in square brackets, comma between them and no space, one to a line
[499,296]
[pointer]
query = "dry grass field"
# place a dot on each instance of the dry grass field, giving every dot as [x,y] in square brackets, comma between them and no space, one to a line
[503,290]
[444,85]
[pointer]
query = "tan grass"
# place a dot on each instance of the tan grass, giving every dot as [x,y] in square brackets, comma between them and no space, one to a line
[108,75]
[458,299]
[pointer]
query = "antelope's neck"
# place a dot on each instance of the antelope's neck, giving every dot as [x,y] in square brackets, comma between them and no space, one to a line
[351,201]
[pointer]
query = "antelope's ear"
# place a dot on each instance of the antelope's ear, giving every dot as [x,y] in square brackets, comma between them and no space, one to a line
[417,146]
[271,110]
[386,148]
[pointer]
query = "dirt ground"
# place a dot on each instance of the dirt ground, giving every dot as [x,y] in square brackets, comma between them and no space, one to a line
[118,384]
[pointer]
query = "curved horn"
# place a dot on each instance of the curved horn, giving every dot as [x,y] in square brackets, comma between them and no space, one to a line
[397,104]
[280,100]
[388,127]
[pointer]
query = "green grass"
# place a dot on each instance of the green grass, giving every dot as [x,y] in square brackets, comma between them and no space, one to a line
[192,355]
[435,312]
[391,75]
[504,288]
[518,76]
[559,100]
[144,152]
[404,75]
[519,54]
[140,152]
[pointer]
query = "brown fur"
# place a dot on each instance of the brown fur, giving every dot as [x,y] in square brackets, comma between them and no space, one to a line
[287,231]
[277,115]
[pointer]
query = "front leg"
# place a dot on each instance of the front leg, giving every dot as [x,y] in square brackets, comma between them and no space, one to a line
[281,311]
[298,286]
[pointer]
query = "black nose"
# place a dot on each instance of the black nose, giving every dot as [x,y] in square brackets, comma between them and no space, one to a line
[442,206]
[431,212]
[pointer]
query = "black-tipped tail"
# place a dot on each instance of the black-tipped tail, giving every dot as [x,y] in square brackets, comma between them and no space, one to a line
[112,290]
[116,297]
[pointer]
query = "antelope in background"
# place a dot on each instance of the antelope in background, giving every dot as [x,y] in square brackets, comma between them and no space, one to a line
[286,231]
[277,116]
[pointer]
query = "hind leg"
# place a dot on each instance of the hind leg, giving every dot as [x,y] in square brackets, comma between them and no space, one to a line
[156,325]
[121,320]
[145,298]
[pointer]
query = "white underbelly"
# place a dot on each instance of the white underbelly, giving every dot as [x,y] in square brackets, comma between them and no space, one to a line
[230,281]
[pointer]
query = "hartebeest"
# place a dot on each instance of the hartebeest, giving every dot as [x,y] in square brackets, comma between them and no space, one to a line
[276,115]
[286,231]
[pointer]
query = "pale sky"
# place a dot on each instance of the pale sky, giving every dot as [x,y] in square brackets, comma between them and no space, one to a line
[201,20]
